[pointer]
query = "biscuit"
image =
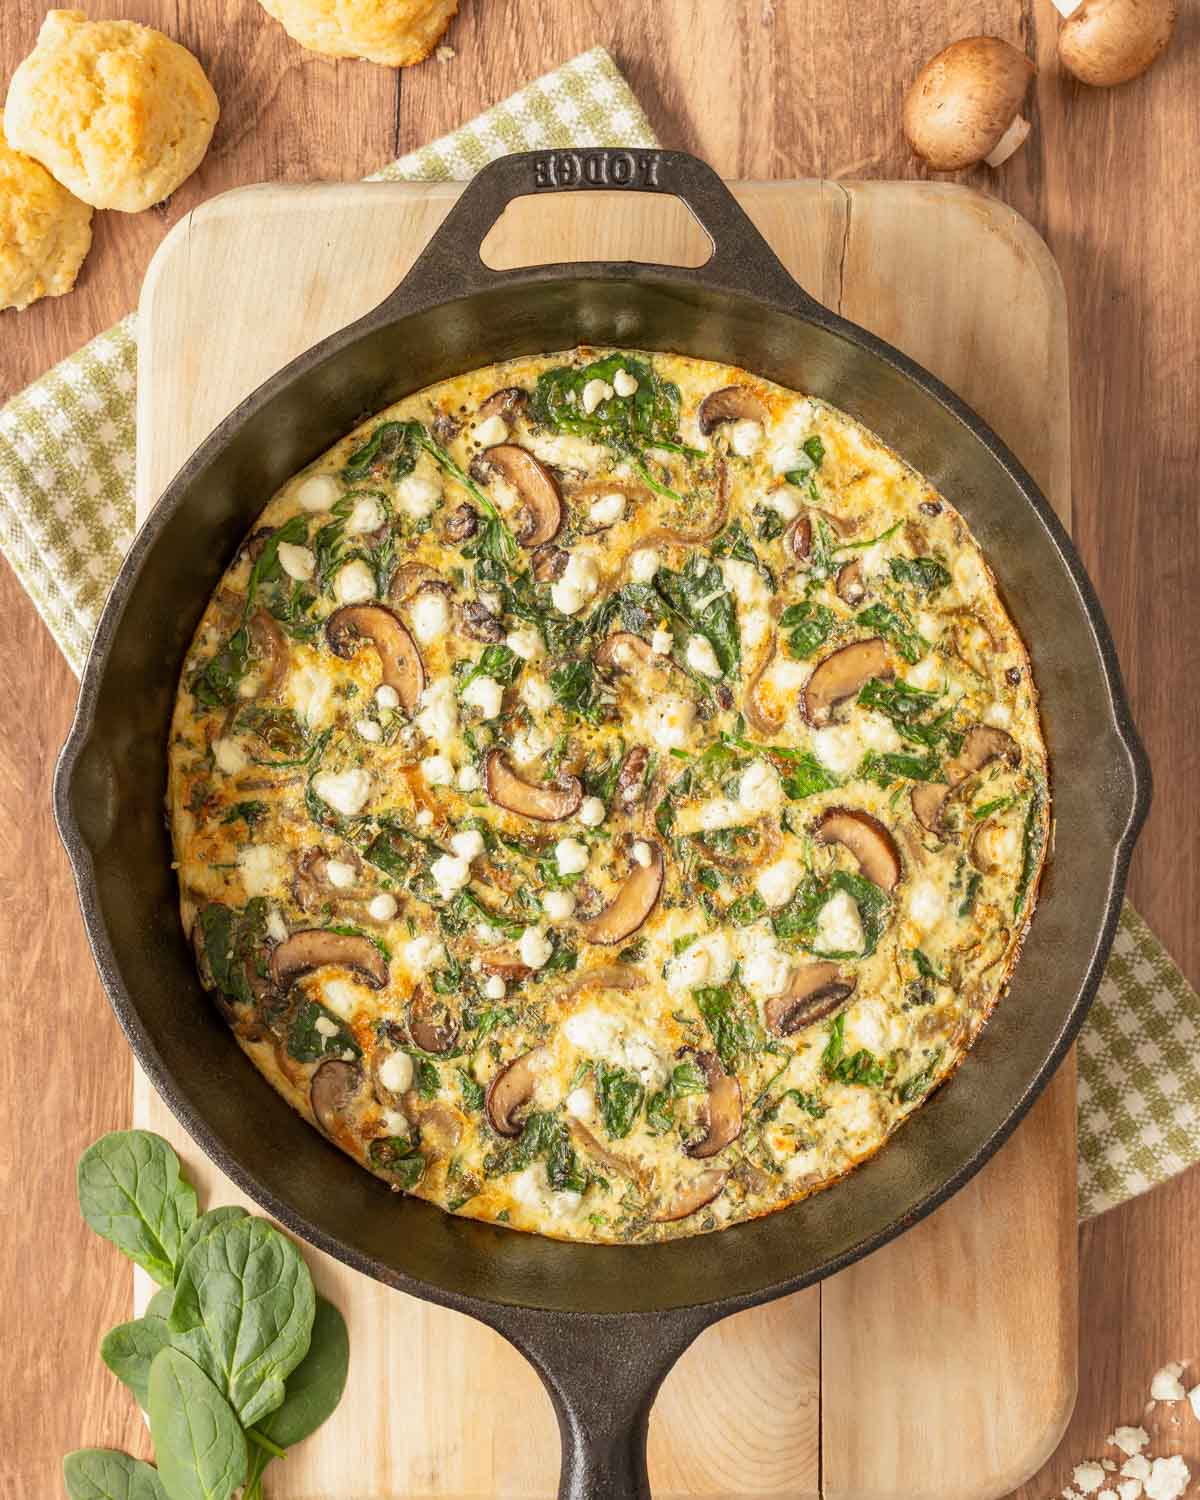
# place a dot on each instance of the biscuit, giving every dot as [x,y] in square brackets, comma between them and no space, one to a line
[119,113]
[395,33]
[45,232]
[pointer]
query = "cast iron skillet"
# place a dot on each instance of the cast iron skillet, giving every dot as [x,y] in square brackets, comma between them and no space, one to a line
[602,1325]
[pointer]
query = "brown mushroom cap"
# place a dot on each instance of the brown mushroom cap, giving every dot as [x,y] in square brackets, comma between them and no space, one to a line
[798,539]
[840,676]
[508,402]
[548,804]
[867,840]
[632,904]
[732,403]
[510,1090]
[537,488]
[815,992]
[269,642]
[695,1195]
[506,963]
[333,1088]
[316,947]
[724,1108]
[399,660]
[928,801]
[614,647]
[1106,42]
[964,101]
[982,744]
[851,587]
[430,1025]
[604,977]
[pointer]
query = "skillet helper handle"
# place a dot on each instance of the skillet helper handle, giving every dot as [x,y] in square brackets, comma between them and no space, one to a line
[602,1374]
[741,260]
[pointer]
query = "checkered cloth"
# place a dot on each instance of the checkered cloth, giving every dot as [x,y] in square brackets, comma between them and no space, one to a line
[66,519]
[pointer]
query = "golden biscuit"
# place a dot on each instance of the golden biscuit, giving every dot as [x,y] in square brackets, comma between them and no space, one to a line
[45,232]
[393,32]
[119,113]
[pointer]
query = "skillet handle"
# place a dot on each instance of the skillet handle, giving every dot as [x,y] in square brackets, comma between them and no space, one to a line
[741,260]
[602,1374]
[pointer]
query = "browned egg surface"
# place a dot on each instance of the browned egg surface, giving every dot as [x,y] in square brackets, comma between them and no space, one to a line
[608,794]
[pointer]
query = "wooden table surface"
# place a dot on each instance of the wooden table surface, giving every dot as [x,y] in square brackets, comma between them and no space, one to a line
[762,88]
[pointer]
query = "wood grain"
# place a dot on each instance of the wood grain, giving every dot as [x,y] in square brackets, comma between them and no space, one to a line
[785,1379]
[765,88]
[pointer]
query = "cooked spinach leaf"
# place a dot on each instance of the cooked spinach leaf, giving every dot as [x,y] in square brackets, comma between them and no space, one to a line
[1033,838]
[699,602]
[647,419]
[316,1032]
[925,575]
[397,1155]
[808,626]
[620,1095]
[917,1085]
[577,689]
[734,1031]
[895,627]
[862,1067]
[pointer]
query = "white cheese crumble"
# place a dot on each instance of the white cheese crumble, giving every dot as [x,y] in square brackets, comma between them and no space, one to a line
[760,791]
[776,883]
[418,496]
[485,694]
[591,812]
[317,492]
[926,674]
[311,693]
[396,1072]
[701,657]
[341,997]
[1166,1384]
[689,970]
[877,732]
[424,818]
[524,642]
[537,694]
[345,791]
[296,561]
[1088,1477]
[644,564]
[745,437]
[229,756]
[430,616]
[491,431]
[839,926]
[595,391]
[323,1026]
[276,926]
[528,744]
[437,717]
[571,856]
[624,383]
[369,730]
[468,779]
[1129,1439]
[783,502]
[423,953]
[558,905]
[386,697]
[838,748]
[926,904]
[339,874]
[367,515]
[535,948]
[382,907]
[608,510]
[468,844]
[354,583]
[494,988]
[450,874]
[579,1104]
[1168,1478]
[765,967]
[998,714]
[642,853]
[668,721]
[438,770]
[661,642]
[261,867]
[580,580]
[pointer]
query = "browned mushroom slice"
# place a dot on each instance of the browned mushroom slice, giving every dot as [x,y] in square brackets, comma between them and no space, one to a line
[315,947]
[798,539]
[815,992]
[411,578]
[588,1143]
[695,1195]
[399,660]
[867,840]
[605,977]
[928,799]
[430,1024]
[505,963]
[332,1090]
[510,1091]
[732,403]
[982,744]
[536,487]
[270,644]
[723,1109]
[841,675]
[632,904]
[851,587]
[508,402]
[624,651]
[547,804]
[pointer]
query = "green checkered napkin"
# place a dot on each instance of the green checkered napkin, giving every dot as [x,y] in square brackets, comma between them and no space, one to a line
[66,519]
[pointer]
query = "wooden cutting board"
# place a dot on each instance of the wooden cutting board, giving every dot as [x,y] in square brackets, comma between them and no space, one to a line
[945,1364]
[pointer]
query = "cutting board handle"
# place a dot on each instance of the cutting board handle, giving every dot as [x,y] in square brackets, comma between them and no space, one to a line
[602,1374]
[450,266]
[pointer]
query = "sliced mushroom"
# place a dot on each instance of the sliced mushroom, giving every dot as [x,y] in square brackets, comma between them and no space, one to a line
[505,963]
[632,904]
[605,977]
[410,578]
[732,403]
[631,777]
[399,660]
[548,804]
[928,801]
[815,992]
[332,1090]
[480,623]
[271,646]
[694,1196]
[982,744]
[588,1143]
[430,1024]
[316,947]
[623,651]
[851,587]
[461,523]
[983,856]
[536,487]
[798,539]
[1106,42]
[723,1109]
[867,840]
[509,402]
[965,104]
[511,1090]
[841,675]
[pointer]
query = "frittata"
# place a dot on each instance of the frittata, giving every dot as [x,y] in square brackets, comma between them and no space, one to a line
[608,794]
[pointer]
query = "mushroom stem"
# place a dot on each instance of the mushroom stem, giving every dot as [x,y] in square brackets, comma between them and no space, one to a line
[1012,140]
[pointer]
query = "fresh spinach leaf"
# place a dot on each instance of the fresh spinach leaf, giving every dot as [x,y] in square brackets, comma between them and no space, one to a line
[131,1192]
[198,1441]
[105,1474]
[130,1349]
[315,1386]
[204,1225]
[243,1311]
